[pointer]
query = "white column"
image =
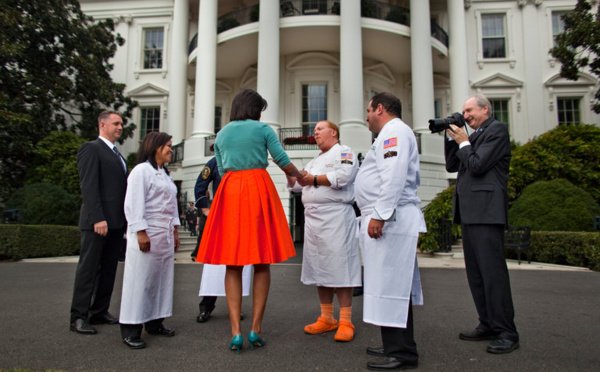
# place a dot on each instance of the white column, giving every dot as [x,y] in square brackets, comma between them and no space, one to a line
[353,129]
[177,71]
[457,53]
[421,65]
[206,70]
[267,83]
[534,93]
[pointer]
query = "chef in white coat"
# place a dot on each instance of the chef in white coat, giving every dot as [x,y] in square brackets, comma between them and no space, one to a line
[152,240]
[386,193]
[331,257]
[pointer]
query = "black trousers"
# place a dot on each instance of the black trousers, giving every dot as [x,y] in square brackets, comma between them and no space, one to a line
[488,278]
[135,330]
[95,275]
[400,342]
[201,225]
[207,303]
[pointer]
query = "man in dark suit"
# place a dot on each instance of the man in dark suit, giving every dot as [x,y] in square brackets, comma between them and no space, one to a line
[480,206]
[210,173]
[103,182]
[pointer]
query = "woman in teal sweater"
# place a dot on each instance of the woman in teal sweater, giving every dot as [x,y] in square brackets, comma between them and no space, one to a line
[247,224]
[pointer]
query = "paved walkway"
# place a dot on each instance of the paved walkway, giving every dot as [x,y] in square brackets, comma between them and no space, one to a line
[556,313]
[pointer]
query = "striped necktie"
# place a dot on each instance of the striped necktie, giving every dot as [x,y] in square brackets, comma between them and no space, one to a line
[120,158]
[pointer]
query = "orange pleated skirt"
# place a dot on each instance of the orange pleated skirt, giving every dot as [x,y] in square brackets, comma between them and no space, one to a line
[246,224]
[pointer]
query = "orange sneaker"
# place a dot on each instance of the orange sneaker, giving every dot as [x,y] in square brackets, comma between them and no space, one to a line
[322,325]
[345,332]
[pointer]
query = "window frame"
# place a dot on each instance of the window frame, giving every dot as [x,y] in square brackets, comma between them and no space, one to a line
[146,50]
[502,37]
[505,100]
[507,14]
[139,64]
[578,99]
[308,126]
[143,127]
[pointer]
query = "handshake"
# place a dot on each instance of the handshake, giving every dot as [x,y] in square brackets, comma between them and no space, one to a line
[304,179]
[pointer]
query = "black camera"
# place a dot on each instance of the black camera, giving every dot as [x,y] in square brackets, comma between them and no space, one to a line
[438,125]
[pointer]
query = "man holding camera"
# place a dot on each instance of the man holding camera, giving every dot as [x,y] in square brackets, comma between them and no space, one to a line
[480,206]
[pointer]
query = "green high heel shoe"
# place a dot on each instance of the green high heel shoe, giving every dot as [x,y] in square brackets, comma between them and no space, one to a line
[236,343]
[255,340]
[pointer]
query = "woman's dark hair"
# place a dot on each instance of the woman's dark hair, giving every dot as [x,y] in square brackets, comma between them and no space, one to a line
[390,103]
[247,104]
[152,142]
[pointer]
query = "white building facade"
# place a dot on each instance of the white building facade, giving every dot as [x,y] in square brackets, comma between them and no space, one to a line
[184,61]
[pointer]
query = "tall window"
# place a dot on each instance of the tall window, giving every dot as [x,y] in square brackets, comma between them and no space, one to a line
[568,111]
[153,48]
[218,118]
[558,25]
[493,33]
[500,108]
[150,120]
[314,106]
[437,108]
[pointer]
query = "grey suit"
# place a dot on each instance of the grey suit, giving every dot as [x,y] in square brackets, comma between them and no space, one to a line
[103,182]
[480,206]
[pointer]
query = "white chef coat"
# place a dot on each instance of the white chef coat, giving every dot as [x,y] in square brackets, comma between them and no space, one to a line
[386,189]
[331,256]
[213,280]
[151,205]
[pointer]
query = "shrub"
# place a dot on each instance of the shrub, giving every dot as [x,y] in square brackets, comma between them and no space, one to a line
[570,152]
[45,204]
[555,205]
[567,248]
[440,208]
[26,241]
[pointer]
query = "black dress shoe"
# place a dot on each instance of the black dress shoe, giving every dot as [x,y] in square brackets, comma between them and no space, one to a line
[392,364]
[477,335]
[83,327]
[134,342]
[103,319]
[377,351]
[502,346]
[203,316]
[161,331]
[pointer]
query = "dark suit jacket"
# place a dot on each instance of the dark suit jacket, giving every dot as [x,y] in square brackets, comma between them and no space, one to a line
[481,196]
[103,183]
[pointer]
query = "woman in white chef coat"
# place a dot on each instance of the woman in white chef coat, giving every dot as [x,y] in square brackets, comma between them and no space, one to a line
[152,240]
[331,258]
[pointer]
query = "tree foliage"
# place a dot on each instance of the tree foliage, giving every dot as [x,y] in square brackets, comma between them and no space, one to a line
[45,204]
[570,152]
[54,74]
[555,205]
[578,46]
[56,161]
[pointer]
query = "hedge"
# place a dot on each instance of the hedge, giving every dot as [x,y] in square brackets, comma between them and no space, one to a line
[32,241]
[566,248]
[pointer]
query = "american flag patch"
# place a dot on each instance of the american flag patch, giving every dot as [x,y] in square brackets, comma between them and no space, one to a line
[390,142]
[346,156]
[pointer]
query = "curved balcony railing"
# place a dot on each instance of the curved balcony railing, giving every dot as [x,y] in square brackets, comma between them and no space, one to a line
[208,142]
[177,153]
[231,20]
[292,8]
